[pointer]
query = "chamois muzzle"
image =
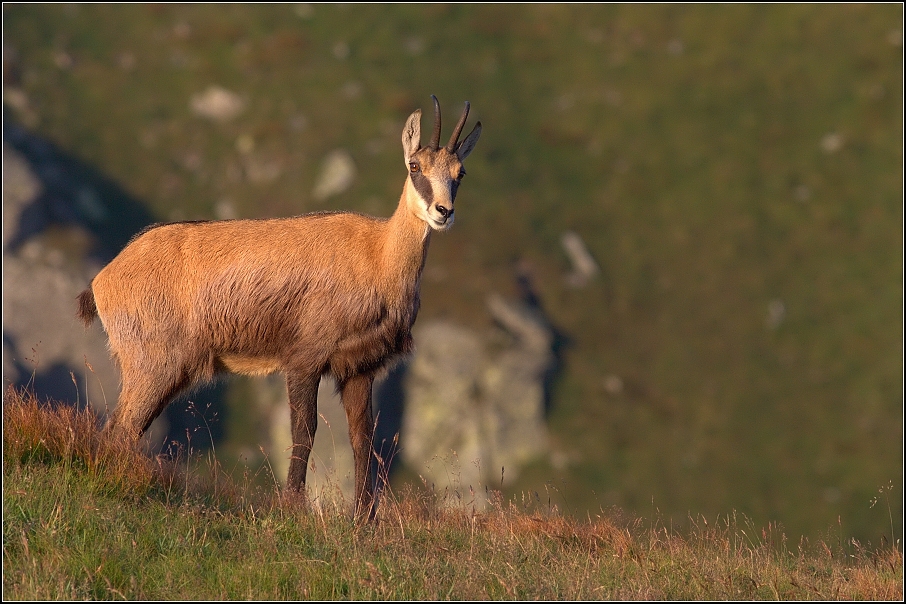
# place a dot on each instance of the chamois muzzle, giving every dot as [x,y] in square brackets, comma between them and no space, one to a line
[444,211]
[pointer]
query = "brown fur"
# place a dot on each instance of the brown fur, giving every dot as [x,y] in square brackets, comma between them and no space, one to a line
[325,293]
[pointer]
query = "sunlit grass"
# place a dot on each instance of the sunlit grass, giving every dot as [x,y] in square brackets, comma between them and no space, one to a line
[89,518]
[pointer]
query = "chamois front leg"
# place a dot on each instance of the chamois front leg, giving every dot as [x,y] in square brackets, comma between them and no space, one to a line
[356,393]
[303,415]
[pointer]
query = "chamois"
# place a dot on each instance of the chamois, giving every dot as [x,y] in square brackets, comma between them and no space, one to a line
[323,293]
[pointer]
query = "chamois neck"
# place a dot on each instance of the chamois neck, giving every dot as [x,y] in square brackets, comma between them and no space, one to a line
[405,226]
[406,246]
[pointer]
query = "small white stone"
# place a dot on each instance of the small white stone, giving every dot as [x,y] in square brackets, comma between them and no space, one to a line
[217,103]
[584,266]
[613,384]
[832,142]
[776,314]
[337,174]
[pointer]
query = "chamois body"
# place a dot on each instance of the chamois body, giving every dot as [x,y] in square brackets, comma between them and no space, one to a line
[258,296]
[325,293]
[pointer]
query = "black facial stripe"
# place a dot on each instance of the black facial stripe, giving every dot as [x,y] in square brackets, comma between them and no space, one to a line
[423,186]
[454,187]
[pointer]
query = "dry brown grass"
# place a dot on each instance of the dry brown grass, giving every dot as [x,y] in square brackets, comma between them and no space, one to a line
[508,551]
[52,432]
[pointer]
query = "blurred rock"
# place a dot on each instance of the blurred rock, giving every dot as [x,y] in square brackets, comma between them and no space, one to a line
[126,61]
[584,266]
[43,342]
[18,101]
[63,60]
[352,89]
[20,187]
[298,123]
[613,384]
[523,322]
[261,170]
[182,30]
[832,142]
[304,10]
[341,50]
[337,174]
[444,426]
[414,45]
[217,103]
[474,404]
[225,210]
[330,468]
[802,193]
[776,314]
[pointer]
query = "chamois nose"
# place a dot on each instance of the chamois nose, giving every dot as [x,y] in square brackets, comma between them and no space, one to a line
[443,210]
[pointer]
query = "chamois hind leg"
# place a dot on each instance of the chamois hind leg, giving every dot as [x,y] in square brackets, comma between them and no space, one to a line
[303,415]
[146,392]
[356,393]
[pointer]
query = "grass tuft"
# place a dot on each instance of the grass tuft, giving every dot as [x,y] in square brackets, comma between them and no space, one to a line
[52,433]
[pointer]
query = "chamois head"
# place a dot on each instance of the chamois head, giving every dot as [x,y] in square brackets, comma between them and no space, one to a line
[435,172]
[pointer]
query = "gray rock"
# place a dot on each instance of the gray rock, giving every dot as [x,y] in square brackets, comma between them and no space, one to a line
[330,468]
[336,176]
[444,434]
[20,186]
[43,342]
[474,405]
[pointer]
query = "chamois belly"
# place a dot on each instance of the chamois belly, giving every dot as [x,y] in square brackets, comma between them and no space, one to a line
[250,365]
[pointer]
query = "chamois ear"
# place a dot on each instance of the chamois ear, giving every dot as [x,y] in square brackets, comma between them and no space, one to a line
[412,134]
[466,146]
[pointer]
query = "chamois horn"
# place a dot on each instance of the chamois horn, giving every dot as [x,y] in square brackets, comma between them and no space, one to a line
[435,136]
[454,140]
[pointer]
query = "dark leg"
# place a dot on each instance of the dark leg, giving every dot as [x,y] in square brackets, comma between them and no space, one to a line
[303,414]
[356,393]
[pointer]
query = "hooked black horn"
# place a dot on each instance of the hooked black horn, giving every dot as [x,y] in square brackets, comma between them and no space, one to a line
[435,136]
[454,140]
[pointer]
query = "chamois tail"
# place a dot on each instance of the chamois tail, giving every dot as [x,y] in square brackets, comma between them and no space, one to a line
[88,310]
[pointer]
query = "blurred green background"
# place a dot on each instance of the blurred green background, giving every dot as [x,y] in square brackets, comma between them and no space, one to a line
[736,171]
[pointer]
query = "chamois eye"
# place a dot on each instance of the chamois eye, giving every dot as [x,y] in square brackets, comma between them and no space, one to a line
[462,173]
[413,167]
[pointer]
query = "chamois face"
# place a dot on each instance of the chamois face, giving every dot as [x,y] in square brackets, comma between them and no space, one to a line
[435,172]
[435,176]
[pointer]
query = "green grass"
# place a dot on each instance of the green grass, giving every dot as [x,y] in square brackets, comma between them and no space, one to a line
[687,145]
[75,529]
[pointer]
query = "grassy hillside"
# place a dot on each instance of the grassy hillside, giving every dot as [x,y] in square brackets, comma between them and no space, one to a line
[86,518]
[736,171]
